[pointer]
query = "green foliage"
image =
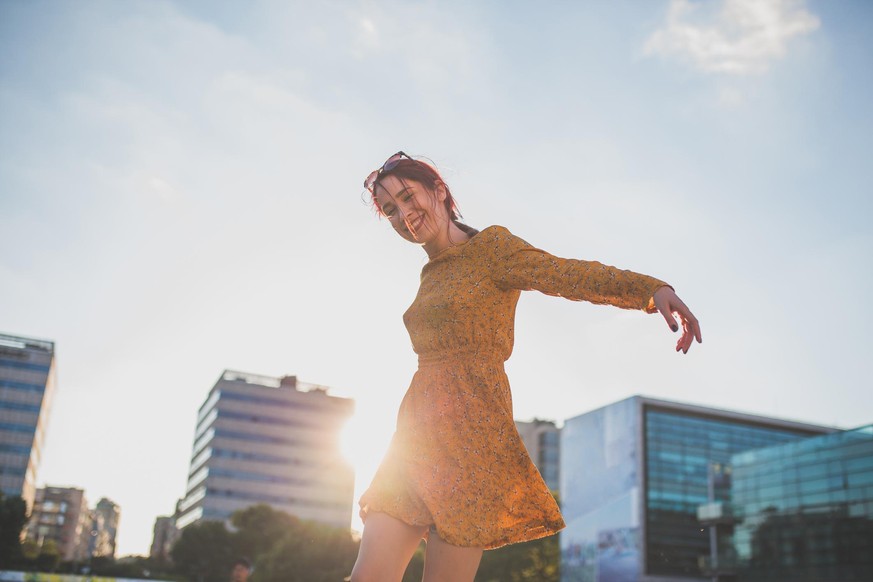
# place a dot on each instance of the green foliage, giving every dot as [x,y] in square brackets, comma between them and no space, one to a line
[415,569]
[49,557]
[259,527]
[282,547]
[309,552]
[535,561]
[205,552]
[13,516]
[30,549]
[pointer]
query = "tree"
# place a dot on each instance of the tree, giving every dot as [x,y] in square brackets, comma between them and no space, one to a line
[205,552]
[49,557]
[535,561]
[13,516]
[259,527]
[309,552]
[415,568]
[30,550]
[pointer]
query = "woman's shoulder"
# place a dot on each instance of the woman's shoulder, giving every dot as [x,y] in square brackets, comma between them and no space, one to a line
[495,231]
[495,240]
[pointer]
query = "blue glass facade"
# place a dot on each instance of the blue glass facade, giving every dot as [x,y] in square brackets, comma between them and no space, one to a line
[679,449]
[805,510]
[633,475]
[26,388]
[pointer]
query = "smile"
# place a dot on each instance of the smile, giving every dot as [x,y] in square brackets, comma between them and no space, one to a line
[416,224]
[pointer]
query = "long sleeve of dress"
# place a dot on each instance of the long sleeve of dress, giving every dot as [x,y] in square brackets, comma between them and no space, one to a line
[519,265]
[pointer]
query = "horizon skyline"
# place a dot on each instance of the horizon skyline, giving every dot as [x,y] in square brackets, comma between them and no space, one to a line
[181,193]
[349,436]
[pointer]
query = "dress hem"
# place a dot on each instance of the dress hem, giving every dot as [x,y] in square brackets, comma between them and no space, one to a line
[530,534]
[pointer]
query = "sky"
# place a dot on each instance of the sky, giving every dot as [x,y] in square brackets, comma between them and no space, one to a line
[180,194]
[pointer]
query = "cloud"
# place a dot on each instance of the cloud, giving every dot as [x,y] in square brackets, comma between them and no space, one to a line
[742,37]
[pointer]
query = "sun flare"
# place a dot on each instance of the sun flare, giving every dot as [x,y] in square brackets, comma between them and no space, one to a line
[363,443]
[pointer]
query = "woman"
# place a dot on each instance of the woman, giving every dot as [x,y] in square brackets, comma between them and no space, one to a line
[457,472]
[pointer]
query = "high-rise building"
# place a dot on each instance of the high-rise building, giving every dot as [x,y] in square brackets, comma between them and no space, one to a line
[269,440]
[27,381]
[163,538]
[801,511]
[542,438]
[633,475]
[104,528]
[61,514]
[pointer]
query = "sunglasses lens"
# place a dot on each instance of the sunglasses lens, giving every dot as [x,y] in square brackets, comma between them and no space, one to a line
[392,162]
[389,165]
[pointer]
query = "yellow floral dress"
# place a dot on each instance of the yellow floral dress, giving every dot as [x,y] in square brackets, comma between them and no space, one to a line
[456,462]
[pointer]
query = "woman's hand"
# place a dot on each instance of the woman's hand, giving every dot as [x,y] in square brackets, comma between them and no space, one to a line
[668,303]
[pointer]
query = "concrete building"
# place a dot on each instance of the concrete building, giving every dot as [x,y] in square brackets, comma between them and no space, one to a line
[542,438]
[104,528]
[269,440]
[61,514]
[27,382]
[633,475]
[164,536]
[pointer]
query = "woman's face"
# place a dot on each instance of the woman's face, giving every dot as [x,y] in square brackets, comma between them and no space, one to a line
[417,214]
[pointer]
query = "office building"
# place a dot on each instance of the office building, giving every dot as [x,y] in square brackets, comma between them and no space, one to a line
[164,536]
[61,514]
[269,440]
[27,382]
[104,528]
[543,442]
[633,475]
[797,512]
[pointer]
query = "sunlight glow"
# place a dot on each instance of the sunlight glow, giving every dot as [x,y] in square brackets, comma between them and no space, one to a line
[363,443]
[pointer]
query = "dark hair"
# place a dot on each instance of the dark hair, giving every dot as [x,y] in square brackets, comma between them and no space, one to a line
[242,562]
[426,175]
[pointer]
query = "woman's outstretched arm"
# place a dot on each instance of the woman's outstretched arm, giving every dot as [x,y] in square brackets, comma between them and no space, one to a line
[519,265]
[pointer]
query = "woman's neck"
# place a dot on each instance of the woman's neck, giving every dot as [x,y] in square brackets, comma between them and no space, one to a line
[450,237]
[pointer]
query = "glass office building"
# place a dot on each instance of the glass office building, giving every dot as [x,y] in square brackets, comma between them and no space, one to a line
[804,510]
[633,475]
[27,382]
[269,440]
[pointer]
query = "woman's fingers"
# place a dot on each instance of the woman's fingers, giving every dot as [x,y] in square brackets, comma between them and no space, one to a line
[670,307]
[685,340]
[692,325]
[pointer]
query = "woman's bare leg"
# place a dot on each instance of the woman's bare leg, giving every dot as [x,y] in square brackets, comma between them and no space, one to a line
[444,562]
[387,546]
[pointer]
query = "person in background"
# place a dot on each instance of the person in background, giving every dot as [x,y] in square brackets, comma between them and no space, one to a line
[241,570]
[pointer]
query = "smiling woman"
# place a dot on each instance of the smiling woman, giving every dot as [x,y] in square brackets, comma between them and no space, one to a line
[456,471]
[418,203]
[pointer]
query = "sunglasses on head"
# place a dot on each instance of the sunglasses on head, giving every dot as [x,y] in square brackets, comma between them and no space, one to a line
[389,165]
